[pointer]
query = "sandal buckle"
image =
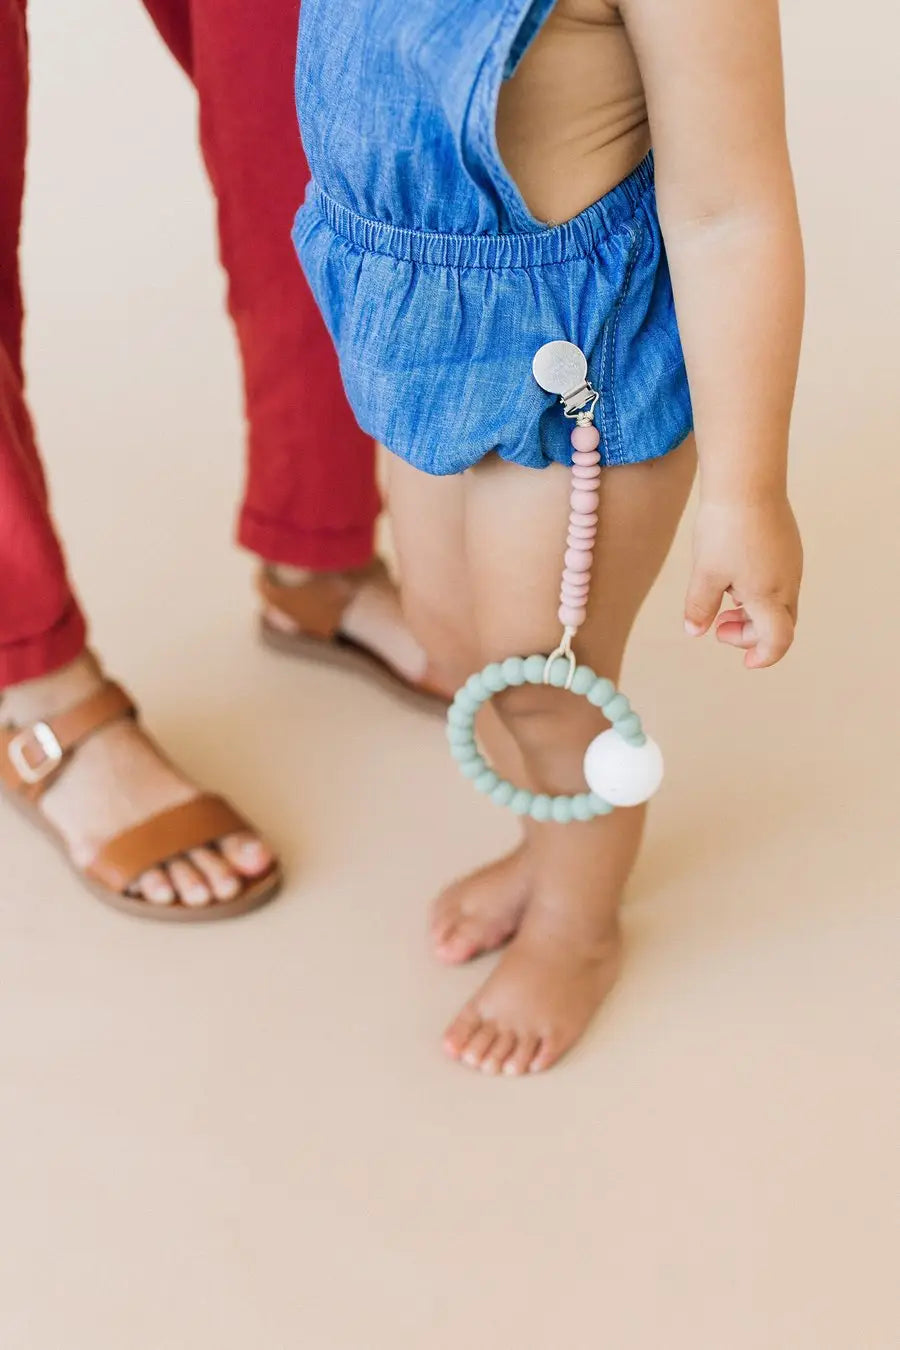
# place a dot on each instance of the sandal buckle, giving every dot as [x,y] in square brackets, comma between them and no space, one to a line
[33,769]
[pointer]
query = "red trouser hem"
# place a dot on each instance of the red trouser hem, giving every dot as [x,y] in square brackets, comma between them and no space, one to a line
[319,550]
[35,656]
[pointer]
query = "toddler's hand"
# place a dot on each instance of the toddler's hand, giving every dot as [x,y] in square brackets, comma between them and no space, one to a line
[754,553]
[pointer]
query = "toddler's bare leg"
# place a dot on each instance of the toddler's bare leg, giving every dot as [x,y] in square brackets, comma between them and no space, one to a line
[482,911]
[565,955]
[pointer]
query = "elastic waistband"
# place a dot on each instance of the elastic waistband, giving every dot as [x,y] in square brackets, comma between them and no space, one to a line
[577,238]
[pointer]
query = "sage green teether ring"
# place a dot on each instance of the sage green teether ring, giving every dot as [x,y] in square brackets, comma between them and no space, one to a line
[640,755]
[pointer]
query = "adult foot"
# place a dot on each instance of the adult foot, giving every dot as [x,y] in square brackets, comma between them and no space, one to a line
[116,780]
[482,911]
[357,612]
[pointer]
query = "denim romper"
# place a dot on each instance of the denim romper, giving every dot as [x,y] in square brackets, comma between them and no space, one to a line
[437,284]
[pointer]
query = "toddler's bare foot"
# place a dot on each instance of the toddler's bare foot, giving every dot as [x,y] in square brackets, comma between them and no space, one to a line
[565,957]
[538,1001]
[482,911]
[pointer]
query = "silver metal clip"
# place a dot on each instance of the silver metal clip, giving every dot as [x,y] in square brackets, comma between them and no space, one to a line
[561,368]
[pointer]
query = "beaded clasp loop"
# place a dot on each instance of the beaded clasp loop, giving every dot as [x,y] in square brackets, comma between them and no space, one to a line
[563,650]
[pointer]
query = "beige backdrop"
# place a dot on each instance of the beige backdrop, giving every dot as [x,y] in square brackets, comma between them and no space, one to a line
[245,1136]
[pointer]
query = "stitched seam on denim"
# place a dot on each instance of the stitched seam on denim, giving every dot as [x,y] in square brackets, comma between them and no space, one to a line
[629,272]
[604,347]
[625,226]
[408,232]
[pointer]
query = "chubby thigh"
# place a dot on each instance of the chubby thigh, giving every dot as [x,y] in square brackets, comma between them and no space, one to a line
[481,554]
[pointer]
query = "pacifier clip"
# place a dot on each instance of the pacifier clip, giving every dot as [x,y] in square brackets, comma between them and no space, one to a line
[622,766]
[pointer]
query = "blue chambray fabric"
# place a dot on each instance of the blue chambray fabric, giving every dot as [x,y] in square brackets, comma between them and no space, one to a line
[436,282]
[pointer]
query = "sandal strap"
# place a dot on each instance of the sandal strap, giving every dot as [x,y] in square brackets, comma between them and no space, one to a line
[32,757]
[317,605]
[200,821]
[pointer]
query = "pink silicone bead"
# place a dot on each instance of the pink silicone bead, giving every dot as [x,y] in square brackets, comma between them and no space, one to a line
[586,473]
[584,502]
[586,457]
[578,559]
[574,599]
[585,438]
[580,540]
[571,576]
[571,617]
[584,518]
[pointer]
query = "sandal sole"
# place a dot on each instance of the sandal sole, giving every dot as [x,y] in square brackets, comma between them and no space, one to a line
[346,655]
[252,897]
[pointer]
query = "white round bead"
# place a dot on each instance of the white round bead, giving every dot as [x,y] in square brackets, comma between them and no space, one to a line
[623,774]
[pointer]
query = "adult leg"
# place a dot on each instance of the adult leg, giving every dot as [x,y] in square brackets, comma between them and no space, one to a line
[41,627]
[117,779]
[311,501]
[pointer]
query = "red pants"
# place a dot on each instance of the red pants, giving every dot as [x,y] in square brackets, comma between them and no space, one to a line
[310,498]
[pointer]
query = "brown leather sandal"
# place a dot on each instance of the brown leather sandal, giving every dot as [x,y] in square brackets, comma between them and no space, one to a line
[33,757]
[316,607]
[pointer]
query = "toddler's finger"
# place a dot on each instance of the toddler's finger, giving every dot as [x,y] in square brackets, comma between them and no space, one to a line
[737,633]
[704,599]
[775,633]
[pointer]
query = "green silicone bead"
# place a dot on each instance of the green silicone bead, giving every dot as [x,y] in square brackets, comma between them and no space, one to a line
[599,806]
[616,707]
[541,807]
[584,680]
[514,671]
[629,725]
[503,793]
[559,672]
[473,768]
[459,735]
[487,781]
[562,810]
[638,739]
[465,750]
[457,718]
[476,686]
[534,669]
[521,802]
[467,702]
[493,678]
[581,807]
[602,692]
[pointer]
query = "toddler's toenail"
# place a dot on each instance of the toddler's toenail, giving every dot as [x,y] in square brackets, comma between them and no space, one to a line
[490,1066]
[510,1070]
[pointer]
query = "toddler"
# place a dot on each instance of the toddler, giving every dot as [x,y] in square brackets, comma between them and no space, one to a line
[483,183]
